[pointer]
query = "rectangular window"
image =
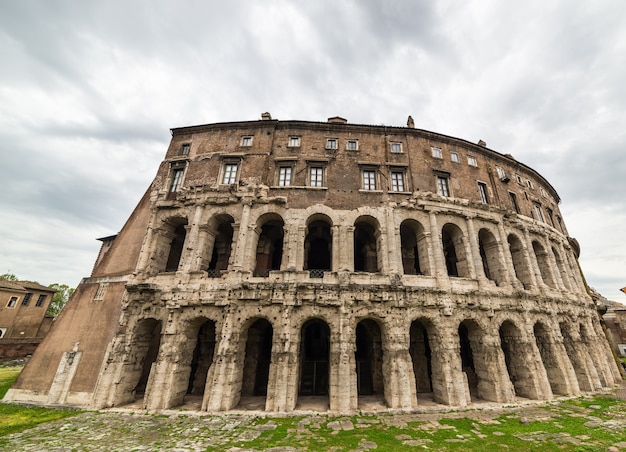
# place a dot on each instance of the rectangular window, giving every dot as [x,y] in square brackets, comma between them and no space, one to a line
[102,288]
[396,148]
[550,217]
[26,299]
[518,178]
[539,213]
[436,152]
[316,176]
[246,141]
[471,160]
[12,302]
[455,157]
[352,145]
[331,143]
[284,176]
[482,189]
[501,173]
[397,181]
[369,180]
[40,301]
[442,186]
[177,179]
[294,142]
[513,197]
[230,173]
[184,150]
[529,183]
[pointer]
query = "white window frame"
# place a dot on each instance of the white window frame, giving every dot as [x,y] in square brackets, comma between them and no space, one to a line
[454,157]
[332,143]
[13,302]
[294,142]
[177,179]
[539,213]
[443,185]
[501,172]
[284,175]
[228,177]
[316,176]
[185,149]
[368,179]
[482,191]
[352,145]
[436,152]
[396,147]
[398,183]
[471,161]
[246,141]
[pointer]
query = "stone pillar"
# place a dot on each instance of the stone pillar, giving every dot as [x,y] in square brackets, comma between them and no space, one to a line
[342,389]
[562,375]
[223,387]
[508,271]
[335,260]
[494,383]
[393,246]
[204,251]
[531,261]
[441,273]
[242,242]
[190,252]
[475,261]
[398,377]
[348,249]
[282,389]
[447,376]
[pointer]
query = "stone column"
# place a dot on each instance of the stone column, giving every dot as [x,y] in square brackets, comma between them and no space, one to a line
[508,272]
[190,251]
[394,257]
[204,252]
[494,383]
[398,377]
[531,261]
[476,263]
[441,273]
[337,244]
[282,389]
[239,253]
[342,389]
[348,249]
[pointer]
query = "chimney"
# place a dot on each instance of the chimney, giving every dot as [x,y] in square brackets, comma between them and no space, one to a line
[482,143]
[266,116]
[337,120]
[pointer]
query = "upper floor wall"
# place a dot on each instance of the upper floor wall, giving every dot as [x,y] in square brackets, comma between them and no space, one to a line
[343,165]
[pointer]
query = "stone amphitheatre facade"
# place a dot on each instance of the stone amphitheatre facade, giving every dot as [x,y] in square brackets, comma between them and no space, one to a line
[289,260]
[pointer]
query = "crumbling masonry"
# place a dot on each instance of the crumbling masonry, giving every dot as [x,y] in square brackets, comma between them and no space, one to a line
[289,259]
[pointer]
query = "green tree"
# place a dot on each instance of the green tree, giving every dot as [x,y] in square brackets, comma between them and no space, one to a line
[64,292]
[8,277]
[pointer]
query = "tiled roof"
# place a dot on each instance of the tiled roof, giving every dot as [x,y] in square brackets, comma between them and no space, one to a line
[24,286]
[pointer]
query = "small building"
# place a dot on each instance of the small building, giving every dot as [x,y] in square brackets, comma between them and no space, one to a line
[615,320]
[23,319]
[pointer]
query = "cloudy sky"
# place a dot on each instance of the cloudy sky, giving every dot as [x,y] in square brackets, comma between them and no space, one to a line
[90,89]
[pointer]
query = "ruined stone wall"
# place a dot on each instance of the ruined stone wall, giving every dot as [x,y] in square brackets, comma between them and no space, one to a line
[283,260]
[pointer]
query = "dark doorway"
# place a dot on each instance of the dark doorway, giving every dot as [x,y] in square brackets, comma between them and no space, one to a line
[314,353]
[256,368]
[202,358]
[369,358]
[147,341]
[421,357]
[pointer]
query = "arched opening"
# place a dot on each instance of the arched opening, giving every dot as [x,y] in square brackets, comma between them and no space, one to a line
[454,251]
[549,359]
[544,263]
[562,269]
[314,358]
[176,246]
[369,358]
[146,342]
[366,245]
[414,247]
[420,352]
[222,245]
[520,265]
[490,256]
[269,250]
[318,247]
[512,344]
[466,340]
[579,358]
[593,357]
[256,367]
[202,358]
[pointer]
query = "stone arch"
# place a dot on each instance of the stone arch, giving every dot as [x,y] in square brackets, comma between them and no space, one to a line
[595,359]
[314,358]
[220,229]
[516,359]
[520,263]
[369,358]
[145,344]
[544,263]
[474,362]
[257,357]
[578,355]
[269,246]
[454,253]
[550,359]
[367,244]
[562,269]
[489,250]
[175,232]
[421,356]
[318,244]
[414,247]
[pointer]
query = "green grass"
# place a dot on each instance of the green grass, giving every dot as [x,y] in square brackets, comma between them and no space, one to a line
[16,418]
